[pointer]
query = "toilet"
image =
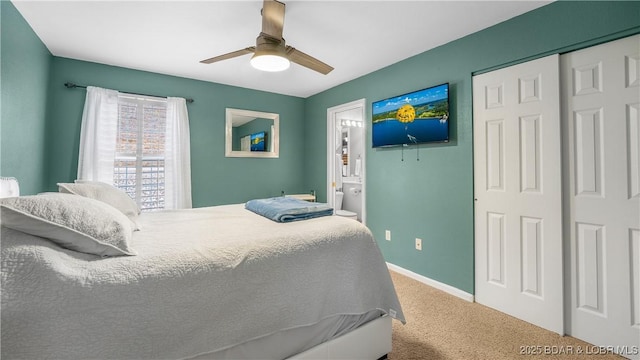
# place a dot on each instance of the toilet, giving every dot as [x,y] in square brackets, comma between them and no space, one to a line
[339,211]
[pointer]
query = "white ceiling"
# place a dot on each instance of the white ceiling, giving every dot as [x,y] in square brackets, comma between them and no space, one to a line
[171,37]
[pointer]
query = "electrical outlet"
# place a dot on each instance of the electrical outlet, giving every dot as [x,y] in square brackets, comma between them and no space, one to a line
[418,244]
[387,235]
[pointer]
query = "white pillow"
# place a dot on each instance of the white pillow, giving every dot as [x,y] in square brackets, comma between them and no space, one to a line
[73,222]
[105,193]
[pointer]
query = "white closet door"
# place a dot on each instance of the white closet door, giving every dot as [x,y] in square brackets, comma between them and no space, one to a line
[601,92]
[517,186]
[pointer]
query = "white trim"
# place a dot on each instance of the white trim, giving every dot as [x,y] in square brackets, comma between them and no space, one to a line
[433,283]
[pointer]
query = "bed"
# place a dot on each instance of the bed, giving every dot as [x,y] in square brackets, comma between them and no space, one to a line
[208,283]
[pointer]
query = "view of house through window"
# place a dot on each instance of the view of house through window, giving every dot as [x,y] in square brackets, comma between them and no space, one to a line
[140,151]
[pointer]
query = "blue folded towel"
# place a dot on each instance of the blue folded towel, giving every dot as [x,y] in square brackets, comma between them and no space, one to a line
[286,209]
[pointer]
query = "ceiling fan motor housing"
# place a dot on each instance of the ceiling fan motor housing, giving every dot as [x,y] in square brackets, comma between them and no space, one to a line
[267,45]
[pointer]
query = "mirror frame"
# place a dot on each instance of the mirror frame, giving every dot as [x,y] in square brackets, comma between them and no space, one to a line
[275,137]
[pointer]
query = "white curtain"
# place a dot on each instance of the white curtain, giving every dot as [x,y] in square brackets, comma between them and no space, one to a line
[177,162]
[98,134]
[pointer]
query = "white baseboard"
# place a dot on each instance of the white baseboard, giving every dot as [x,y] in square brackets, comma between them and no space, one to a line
[433,283]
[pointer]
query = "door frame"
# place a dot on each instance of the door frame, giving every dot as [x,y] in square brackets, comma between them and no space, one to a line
[331,139]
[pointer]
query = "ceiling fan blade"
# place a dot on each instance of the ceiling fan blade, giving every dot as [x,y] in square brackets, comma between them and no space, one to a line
[273,18]
[308,61]
[230,55]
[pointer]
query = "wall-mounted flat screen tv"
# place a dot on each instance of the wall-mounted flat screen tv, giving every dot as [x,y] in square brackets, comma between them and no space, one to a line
[259,141]
[418,117]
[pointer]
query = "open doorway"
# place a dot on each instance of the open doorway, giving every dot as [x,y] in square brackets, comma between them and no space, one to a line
[346,147]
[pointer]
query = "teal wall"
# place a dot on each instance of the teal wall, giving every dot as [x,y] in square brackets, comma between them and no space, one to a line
[215,178]
[433,198]
[24,76]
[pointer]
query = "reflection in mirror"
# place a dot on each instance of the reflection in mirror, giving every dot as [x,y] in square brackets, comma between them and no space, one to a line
[350,137]
[251,134]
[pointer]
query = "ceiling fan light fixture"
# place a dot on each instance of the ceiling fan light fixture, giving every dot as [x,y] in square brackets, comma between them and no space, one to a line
[270,62]
[270,54]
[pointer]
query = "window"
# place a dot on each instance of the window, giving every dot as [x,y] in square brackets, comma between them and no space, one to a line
[138,143]
[139,166]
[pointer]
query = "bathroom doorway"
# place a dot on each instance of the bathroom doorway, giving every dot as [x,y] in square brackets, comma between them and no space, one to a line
[346,139]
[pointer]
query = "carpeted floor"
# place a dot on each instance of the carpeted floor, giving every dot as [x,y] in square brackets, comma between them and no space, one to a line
[442,326]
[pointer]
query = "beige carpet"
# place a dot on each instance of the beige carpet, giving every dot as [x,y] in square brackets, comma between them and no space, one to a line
[442,326]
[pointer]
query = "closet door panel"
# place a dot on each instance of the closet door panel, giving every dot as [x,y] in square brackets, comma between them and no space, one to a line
[601,96]
[517,186]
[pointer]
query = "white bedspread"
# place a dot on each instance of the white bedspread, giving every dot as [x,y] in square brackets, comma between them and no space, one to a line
[203,280]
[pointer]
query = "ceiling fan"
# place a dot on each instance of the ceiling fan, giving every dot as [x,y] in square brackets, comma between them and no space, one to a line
[271,52]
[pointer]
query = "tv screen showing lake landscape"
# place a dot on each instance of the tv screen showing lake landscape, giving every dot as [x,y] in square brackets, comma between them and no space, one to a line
[259,141]
[414,118]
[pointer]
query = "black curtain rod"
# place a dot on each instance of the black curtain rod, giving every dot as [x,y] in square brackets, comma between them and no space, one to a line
[70,85]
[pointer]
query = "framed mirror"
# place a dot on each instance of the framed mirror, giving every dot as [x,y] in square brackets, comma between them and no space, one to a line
[252,134]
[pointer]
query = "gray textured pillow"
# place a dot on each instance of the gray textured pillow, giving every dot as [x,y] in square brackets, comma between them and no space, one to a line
[106,193]
[73,222]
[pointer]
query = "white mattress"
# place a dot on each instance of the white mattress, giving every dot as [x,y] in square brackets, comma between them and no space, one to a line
[204,280]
